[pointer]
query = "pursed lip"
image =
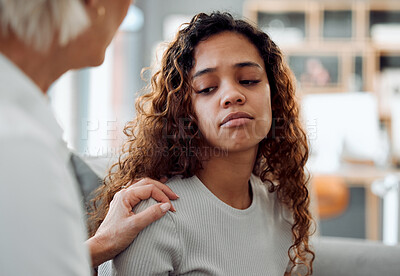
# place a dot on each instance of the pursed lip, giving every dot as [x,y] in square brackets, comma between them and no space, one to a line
[235,115]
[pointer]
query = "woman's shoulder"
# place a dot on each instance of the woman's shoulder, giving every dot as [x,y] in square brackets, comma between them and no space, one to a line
[180,185]
[186,188]
[261,187]
[270,199]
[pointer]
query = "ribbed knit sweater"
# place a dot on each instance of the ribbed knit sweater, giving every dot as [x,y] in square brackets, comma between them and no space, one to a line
[208,237]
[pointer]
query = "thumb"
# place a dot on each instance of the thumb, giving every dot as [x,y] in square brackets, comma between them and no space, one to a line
[150,215]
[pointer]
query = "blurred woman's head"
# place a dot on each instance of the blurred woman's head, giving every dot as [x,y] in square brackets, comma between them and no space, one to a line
[168,136]
[37,22]
[81,28]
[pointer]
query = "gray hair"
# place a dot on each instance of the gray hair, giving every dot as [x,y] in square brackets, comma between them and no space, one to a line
[35,22]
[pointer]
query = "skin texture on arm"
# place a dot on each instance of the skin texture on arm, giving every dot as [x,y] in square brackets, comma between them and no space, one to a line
[122,225]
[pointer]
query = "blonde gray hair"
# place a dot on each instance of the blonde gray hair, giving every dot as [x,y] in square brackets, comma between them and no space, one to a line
[36,22]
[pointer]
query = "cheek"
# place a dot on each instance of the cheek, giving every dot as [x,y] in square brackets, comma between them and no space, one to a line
[264,125]
[204,117]
[198,112]
[205,123]
[263,104]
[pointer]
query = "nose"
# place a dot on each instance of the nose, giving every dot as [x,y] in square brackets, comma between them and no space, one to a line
[231,96]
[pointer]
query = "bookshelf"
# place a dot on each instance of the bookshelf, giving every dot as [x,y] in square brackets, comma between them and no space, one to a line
[350,40]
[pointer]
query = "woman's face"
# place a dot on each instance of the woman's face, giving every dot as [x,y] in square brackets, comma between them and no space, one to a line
[231,96]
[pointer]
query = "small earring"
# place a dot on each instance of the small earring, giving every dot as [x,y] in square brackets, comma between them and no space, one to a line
[101,11]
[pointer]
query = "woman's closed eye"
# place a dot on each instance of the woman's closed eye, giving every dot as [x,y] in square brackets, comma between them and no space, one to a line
[249,82]
[206,90]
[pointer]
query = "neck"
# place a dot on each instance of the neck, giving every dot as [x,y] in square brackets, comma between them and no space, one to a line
[227,177]
[42,68]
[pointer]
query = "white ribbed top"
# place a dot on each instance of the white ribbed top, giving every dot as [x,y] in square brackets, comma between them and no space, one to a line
[208,237]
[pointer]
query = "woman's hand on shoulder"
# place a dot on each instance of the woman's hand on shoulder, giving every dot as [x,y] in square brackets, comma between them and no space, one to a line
[121,226]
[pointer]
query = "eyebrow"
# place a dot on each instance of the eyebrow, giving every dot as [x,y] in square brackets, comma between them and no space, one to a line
[248,64]
[237,65]
[204,71]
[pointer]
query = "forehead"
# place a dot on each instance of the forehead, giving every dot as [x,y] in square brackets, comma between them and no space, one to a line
[226,48]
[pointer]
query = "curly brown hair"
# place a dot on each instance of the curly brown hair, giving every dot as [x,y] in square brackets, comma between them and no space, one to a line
[162,144]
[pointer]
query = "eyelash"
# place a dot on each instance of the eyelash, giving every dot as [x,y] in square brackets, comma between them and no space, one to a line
[243,82]
[206,91]
[249,82]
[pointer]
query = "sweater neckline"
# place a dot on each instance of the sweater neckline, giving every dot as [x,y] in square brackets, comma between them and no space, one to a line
[225,206]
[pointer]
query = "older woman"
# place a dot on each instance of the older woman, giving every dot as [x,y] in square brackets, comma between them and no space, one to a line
[42,229]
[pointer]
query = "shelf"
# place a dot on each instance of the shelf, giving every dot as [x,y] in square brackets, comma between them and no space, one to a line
[335,35]
[337,24]
[281,26]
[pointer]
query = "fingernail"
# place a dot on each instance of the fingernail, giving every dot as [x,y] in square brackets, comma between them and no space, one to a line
[176,195]
[165,207]
[173,209]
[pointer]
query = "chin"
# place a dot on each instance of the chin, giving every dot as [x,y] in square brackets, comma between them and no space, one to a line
[89,61]
[235,146]
[97,60]
[95,56]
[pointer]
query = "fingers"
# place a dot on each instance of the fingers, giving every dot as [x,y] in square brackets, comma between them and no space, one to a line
[133,195]
[159,185]
[150,215]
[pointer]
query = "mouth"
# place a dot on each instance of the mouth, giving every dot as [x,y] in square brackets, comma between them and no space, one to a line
[236,119]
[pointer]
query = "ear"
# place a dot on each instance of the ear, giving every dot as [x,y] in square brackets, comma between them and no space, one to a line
[91,3]
[91,7]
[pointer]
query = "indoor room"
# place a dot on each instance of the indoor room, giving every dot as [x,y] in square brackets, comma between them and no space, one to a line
[344,58]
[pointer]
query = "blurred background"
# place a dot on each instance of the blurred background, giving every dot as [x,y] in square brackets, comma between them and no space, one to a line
[345,55]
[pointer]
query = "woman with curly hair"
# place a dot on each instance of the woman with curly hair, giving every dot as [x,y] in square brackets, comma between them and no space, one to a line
[222,123]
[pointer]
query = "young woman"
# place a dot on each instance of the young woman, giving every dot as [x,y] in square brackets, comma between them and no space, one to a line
[220,121]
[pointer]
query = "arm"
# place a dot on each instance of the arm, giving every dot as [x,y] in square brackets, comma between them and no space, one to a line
[121,225]
[155,251]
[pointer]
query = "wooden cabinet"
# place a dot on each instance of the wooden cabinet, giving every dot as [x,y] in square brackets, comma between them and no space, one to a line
[333,46]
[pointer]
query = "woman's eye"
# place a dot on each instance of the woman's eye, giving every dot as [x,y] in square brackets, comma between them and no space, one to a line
[249,82]
[205,91]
